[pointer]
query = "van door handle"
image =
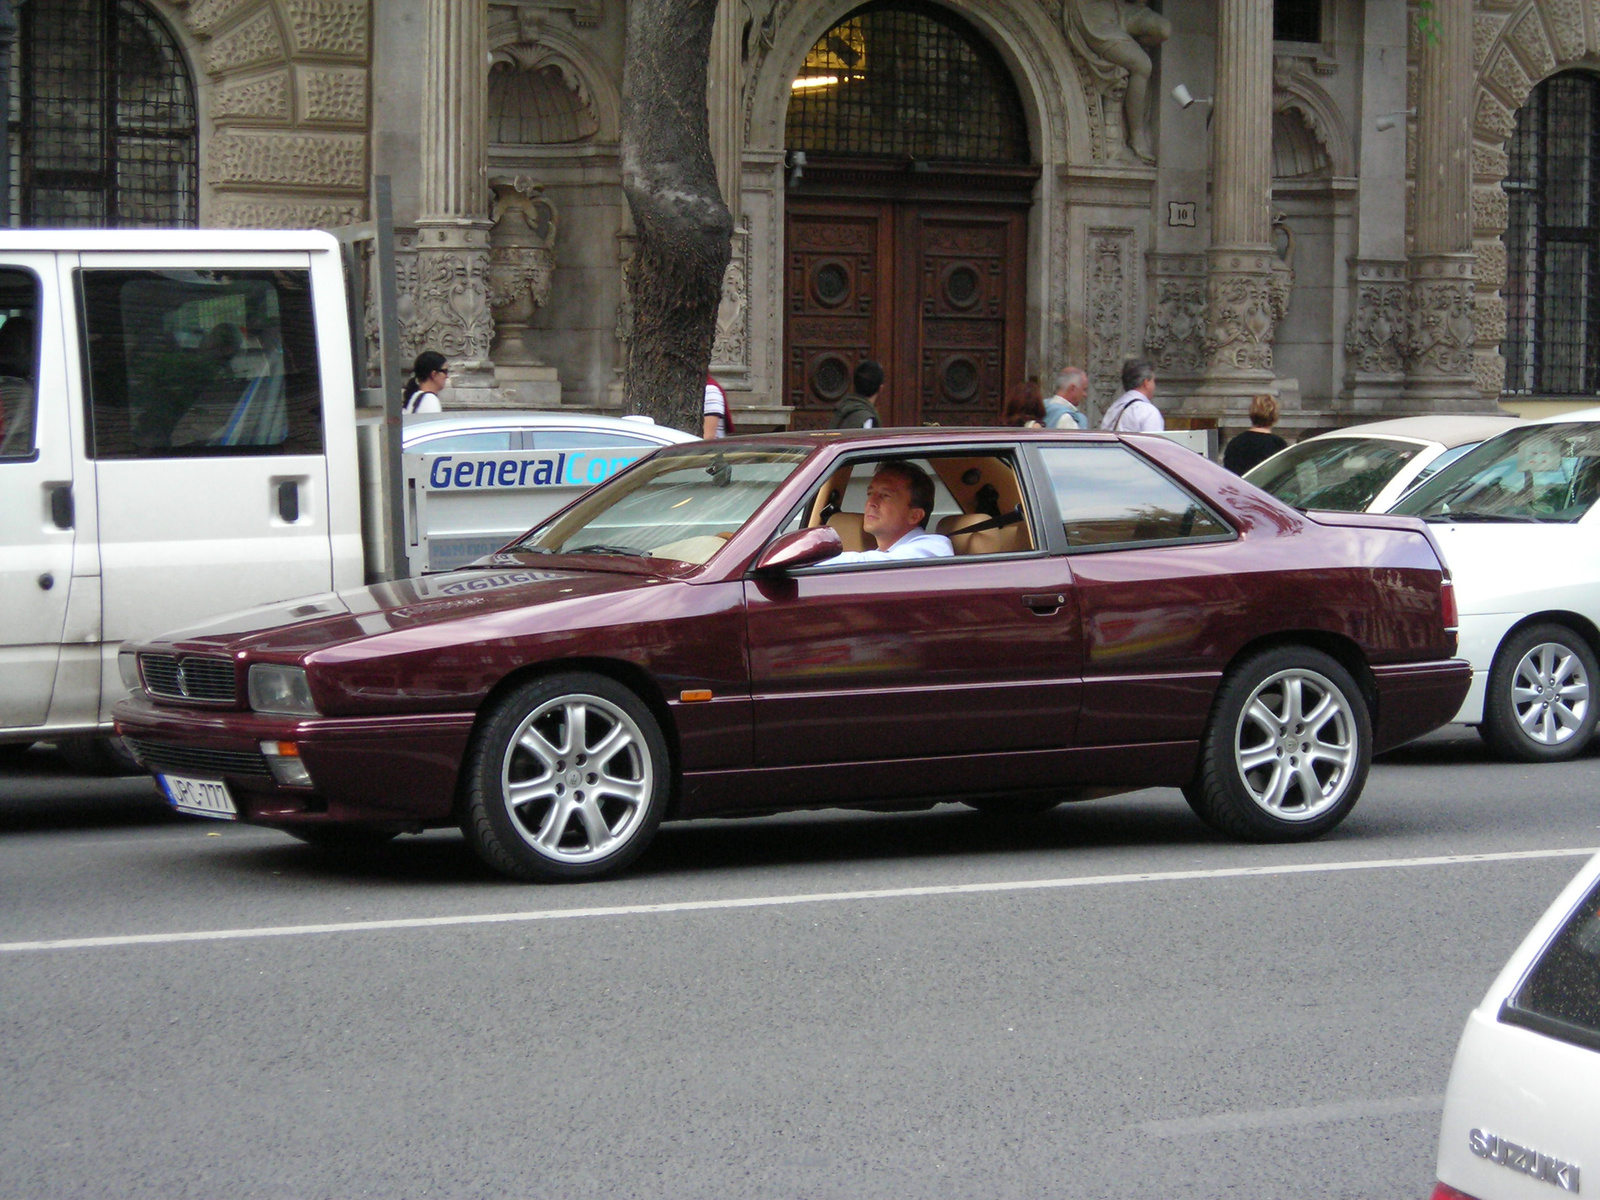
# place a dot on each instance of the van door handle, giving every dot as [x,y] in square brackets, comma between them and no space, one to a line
[61,514]
[1045,603]
[289,501]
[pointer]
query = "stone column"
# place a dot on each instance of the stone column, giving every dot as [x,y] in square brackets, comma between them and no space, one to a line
[452,294]
[1241,310]
[1439,338]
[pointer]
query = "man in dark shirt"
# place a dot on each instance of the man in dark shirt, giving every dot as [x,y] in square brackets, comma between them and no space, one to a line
[859,410]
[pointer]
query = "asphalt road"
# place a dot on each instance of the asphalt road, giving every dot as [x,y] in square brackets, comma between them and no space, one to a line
[1122,1014]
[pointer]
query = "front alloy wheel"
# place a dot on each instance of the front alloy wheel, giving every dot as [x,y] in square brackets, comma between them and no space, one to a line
[568,780]
[1537,706]
[1286,753]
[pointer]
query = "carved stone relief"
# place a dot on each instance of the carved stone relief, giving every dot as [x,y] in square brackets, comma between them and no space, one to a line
[329,160]
[730,351]
[1241,311]
[450,302]
[1375,337]
[1174,335]
[1110,40]
[1109,307]
[521,264]
[1439,336]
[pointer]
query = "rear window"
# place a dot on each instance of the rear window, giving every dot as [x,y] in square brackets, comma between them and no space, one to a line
[1560,996]
[1335,474]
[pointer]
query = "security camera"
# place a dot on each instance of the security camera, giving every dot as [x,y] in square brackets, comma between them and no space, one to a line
[1389,120]
[1182,96]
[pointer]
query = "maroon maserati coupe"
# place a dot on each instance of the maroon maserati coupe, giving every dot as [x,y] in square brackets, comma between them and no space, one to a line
[706,634]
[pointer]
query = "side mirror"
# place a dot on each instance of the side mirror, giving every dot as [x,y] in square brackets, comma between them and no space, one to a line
[801,548]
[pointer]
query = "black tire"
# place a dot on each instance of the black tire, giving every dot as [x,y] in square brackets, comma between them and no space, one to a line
[99,756]
[343,839]
[579,816]
[1243,766]
[1562,725]
[13,754]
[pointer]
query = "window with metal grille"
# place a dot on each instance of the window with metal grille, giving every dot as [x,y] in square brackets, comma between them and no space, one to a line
[103,127]
[1297,20]
[1552,240]
[906,80]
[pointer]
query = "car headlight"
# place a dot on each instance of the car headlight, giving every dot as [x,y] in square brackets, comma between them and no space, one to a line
[128,668]
[275,689]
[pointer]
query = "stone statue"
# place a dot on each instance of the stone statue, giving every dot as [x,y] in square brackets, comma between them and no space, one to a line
[521,264]
[1111,38]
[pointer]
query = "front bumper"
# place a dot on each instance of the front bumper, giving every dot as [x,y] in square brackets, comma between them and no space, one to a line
[1417,698]
[397,771]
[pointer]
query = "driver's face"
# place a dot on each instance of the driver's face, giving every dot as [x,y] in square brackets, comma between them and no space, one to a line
[888,514]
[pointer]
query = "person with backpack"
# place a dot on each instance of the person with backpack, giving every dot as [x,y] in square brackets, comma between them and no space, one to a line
[1135,410]
[1064,410]
[859,410]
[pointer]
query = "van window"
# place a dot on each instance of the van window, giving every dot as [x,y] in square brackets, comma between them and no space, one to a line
[19,361]
[215,362]
[1560,997]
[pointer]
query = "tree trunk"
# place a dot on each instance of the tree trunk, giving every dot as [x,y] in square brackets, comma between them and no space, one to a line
[682,226]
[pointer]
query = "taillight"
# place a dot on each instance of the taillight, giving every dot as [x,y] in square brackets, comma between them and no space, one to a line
[1447,605]
[1443,1191]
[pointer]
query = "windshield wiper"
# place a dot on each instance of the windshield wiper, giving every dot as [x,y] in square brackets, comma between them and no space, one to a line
[599,548]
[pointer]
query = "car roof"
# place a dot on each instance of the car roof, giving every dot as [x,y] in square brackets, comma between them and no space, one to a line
[1448,429]
[1582,414]
[433,424]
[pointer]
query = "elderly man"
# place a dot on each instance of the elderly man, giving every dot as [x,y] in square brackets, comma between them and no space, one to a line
[896,515]
[1135,410]
[1064,410]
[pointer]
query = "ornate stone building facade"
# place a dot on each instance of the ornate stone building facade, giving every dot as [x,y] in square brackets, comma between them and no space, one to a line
[972,191]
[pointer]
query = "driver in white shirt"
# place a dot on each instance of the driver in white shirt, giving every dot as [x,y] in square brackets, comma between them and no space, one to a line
[899,499]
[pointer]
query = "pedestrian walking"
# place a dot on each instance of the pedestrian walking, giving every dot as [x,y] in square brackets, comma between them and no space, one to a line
[1024,407]
[859,410]
[1258,443]
[429,375]
[1135,410]
[715,419]
[1066,409]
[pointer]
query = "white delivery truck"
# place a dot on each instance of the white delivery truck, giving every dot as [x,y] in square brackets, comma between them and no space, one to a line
[179,438]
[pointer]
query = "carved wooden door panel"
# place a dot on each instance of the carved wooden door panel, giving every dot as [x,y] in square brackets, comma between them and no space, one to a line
[965,274]
[933,292]
[835,307]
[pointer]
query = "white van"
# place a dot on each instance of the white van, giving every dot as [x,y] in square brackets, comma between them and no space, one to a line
[177,439]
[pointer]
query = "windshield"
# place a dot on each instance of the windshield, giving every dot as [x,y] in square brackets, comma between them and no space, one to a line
[678,504]
[1342,474]
[1543,473]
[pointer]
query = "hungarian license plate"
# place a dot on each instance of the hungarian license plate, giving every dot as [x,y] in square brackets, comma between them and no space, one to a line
[203,797]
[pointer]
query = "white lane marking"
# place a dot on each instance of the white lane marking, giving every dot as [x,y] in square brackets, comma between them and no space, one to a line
[634,910]
[1278,1117]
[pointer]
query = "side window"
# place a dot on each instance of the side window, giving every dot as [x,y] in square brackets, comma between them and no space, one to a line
[480,440]
[214,362]
[1109,496]
[586,439]
[19,361]
[1561,995]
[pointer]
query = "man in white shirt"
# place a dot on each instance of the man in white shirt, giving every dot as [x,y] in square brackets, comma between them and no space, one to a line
[714,421]
[896,515]
[1134,411]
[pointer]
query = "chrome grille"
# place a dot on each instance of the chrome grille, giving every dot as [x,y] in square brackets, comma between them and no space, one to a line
[167,756]
[192,677]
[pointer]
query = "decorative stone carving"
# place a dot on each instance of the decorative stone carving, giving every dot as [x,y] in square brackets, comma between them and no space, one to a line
[1439,338]
[450,303]
[1241,312]
[205,17]
[334,27]
[333,160]
[1565,18]
[265,98]
[730,351]
[1493,121]
[229,213]
[1110,39]
[1108,307]
[1528,36]
[248,45]
[585,14]
[1375,338]
[1174,336]
[334,95]
[521,264]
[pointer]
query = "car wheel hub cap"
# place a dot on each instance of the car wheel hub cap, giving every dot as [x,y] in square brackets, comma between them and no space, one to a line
[1299,775]
[1550,694]
[576,778]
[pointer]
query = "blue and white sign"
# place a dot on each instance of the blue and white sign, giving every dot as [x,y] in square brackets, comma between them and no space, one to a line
[572,468]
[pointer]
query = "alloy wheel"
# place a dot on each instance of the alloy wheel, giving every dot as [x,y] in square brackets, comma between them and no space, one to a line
[1295,745]
[1550,693]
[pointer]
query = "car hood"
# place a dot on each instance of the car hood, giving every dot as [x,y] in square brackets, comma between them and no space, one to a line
[410,606]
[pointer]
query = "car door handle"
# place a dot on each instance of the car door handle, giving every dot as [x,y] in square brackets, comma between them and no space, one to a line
[1045,603]
[61,513]
[289,501]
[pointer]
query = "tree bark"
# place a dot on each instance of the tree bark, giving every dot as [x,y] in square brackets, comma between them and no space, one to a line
[682,226]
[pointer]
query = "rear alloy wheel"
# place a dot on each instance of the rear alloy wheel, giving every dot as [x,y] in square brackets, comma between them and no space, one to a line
[1287,751]
[568,779]
[1538,707]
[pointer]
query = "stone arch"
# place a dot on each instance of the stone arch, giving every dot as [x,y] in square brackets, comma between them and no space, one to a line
[1514,51]
[1297,93]
[283,92]
[536,49]
[1029,44]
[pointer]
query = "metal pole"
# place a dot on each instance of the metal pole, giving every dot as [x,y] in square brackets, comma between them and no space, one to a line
[385,295]
[8,37]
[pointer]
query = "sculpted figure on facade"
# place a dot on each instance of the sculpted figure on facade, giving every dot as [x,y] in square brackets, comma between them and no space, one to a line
[1112,39]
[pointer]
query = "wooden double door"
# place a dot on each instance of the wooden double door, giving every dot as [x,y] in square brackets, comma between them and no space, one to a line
[933,292]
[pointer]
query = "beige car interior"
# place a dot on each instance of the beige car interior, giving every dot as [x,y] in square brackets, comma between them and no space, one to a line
[975,484]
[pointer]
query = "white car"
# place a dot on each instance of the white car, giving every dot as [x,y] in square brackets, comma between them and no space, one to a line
[1366,468]
[437,433]
[1517,521]
[1522,1112]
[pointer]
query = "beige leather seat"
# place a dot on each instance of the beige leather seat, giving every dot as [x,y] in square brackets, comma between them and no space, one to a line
[848,527]
[1008,539]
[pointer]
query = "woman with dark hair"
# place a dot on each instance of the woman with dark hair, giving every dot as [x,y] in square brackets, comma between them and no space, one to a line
[1024,406]
[428,378]
[1258,443]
